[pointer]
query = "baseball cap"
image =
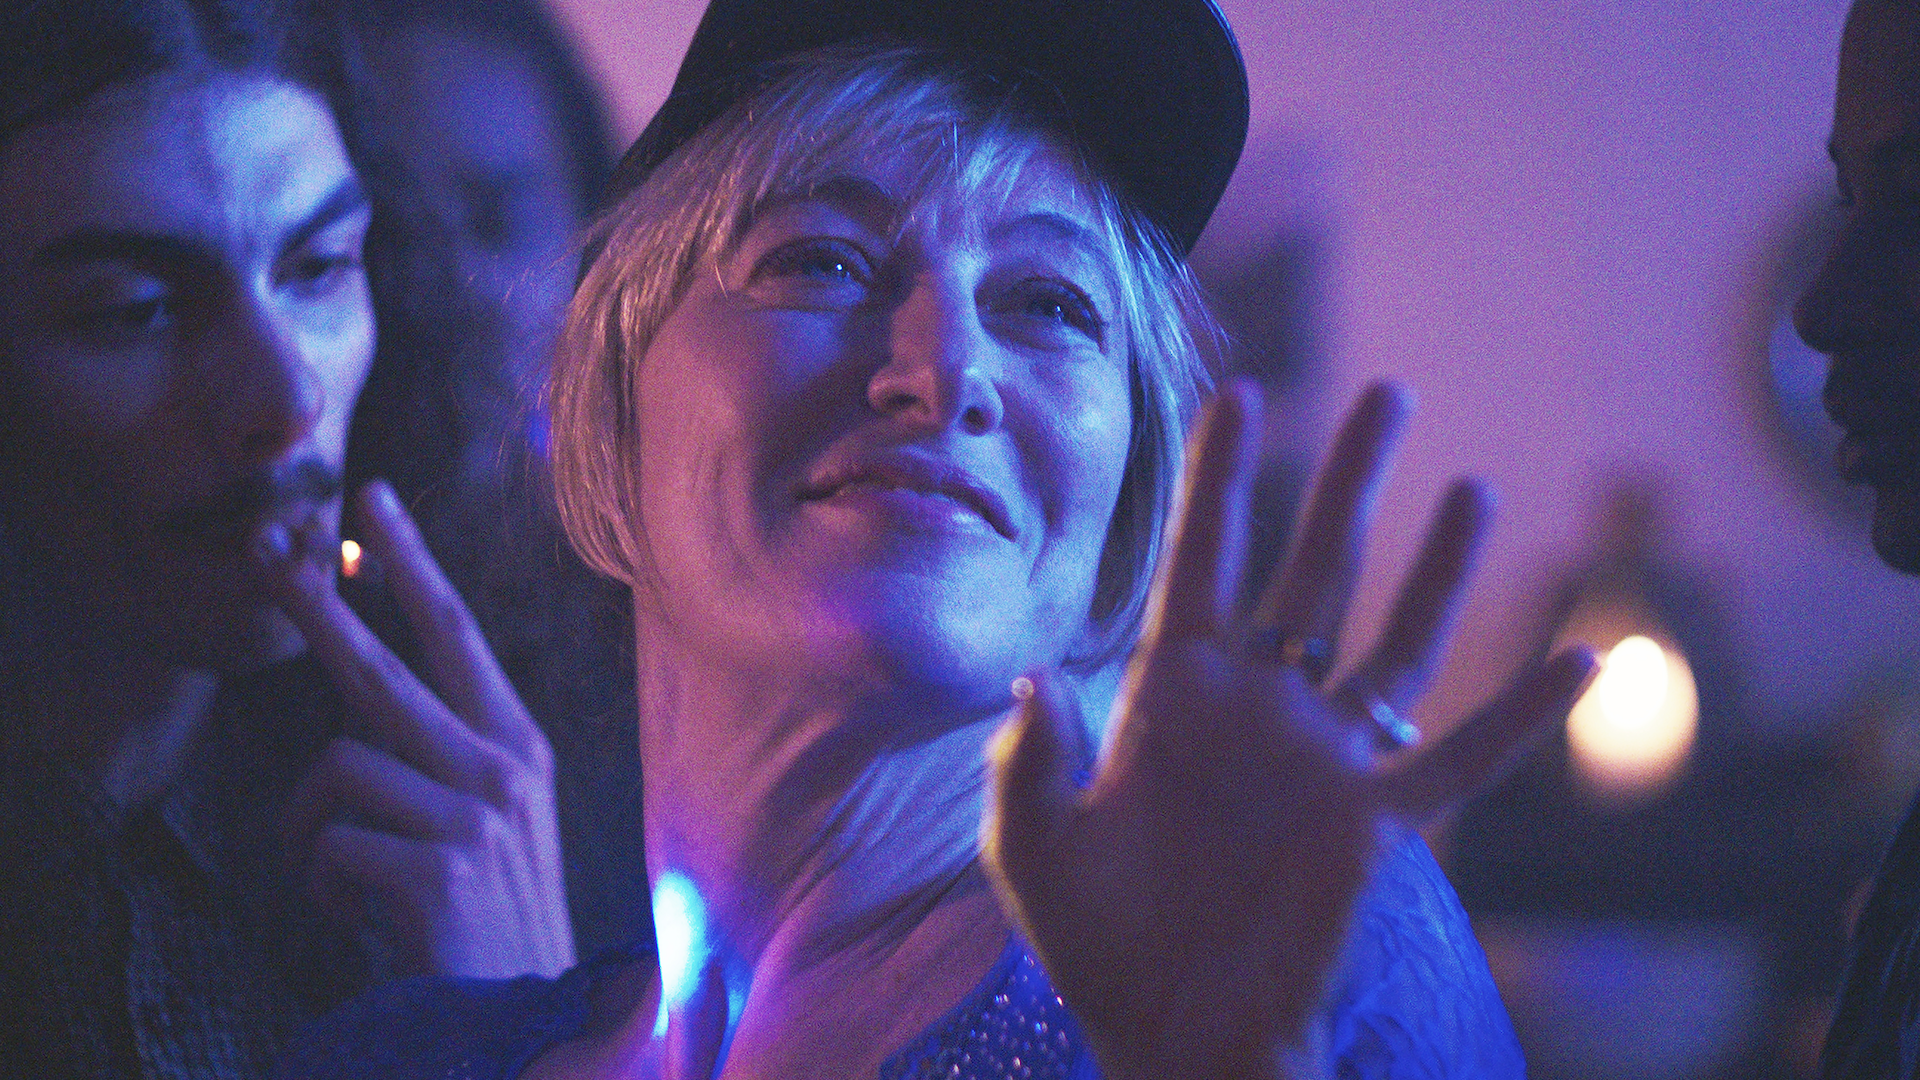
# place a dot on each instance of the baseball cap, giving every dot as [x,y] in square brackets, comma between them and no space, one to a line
[1154,90]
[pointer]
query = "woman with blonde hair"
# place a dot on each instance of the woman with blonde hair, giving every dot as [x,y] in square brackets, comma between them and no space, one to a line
[874,392]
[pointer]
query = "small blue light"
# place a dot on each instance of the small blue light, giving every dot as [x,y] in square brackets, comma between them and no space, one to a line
[680,935]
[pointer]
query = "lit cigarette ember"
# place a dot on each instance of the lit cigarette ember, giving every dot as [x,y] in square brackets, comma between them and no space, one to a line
[349,558]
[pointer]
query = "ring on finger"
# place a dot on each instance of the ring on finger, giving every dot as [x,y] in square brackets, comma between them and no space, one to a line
[1311,654]
[1392,731]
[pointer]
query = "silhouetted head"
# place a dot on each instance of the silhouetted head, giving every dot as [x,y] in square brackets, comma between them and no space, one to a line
[1864,308]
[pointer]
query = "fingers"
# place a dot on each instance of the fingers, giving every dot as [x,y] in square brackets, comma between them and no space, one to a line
[442,907]
[1211,538]
[459,660]
[1478,751]
[1403,661]
[1309,598]
[358,873]
[353,780]
[396,710]
[1033,760]
[465,905]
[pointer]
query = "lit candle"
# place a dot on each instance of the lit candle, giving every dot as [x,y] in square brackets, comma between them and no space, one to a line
[1634,728]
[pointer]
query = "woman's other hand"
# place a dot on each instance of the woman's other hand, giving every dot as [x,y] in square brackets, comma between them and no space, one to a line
[435,822]
[1191,902]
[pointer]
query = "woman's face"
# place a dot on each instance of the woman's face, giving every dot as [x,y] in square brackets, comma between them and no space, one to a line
[1864,308]
[883,442]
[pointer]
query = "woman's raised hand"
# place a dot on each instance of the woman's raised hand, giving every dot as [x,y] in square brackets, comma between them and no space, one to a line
[1190,903]
[439,812]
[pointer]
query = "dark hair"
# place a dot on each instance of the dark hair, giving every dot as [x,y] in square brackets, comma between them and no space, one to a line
[437,390]
[526,29]
[57,54]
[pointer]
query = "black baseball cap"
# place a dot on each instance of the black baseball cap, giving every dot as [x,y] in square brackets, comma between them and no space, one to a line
[1154,90]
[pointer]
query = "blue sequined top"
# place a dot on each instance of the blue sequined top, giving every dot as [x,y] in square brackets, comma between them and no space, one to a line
[1413,1001]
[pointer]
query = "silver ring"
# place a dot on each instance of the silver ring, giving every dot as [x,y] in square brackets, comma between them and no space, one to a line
[1312,655]
[1395,732]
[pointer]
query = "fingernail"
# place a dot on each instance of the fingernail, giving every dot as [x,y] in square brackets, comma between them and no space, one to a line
[273,542]
[380,497]
[1395,395]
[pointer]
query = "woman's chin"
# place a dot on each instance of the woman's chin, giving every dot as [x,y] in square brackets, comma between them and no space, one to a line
[911,657]
[1896,523]
[943,670]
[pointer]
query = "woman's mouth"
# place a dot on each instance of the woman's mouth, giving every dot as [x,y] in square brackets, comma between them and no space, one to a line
[1873,401]
[911,480]
[1878,458]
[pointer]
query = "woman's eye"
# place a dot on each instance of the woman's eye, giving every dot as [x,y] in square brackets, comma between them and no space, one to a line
[318,273]
[124,322]
[815,261]
[1062,304]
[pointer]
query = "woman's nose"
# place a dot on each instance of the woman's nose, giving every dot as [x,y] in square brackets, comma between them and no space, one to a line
[269,396]
[941,362]
[1860,301]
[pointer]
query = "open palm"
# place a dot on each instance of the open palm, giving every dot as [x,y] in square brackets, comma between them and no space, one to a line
[1190,903]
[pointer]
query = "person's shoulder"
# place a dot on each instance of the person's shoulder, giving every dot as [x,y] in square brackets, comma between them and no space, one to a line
[1411,896]
[1414,997]
[452,1029]
[1874,1021]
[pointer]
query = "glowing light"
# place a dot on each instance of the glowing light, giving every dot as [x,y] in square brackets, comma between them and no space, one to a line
[1633,729]
[680,937]
[349,558]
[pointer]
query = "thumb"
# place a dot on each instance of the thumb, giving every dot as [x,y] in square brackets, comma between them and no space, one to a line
[1033,764]
[697,1033]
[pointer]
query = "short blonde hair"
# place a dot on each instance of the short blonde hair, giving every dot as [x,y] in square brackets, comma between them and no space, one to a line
[817,118]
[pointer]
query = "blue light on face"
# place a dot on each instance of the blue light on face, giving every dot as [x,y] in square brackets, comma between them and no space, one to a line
[680,934]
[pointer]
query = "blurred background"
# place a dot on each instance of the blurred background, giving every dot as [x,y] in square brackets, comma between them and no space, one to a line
[1575,229]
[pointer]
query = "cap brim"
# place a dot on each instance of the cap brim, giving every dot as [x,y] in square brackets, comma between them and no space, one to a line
[1155,89]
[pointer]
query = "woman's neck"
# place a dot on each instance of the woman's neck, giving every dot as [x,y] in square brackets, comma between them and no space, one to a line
[790,814]
[818,859]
